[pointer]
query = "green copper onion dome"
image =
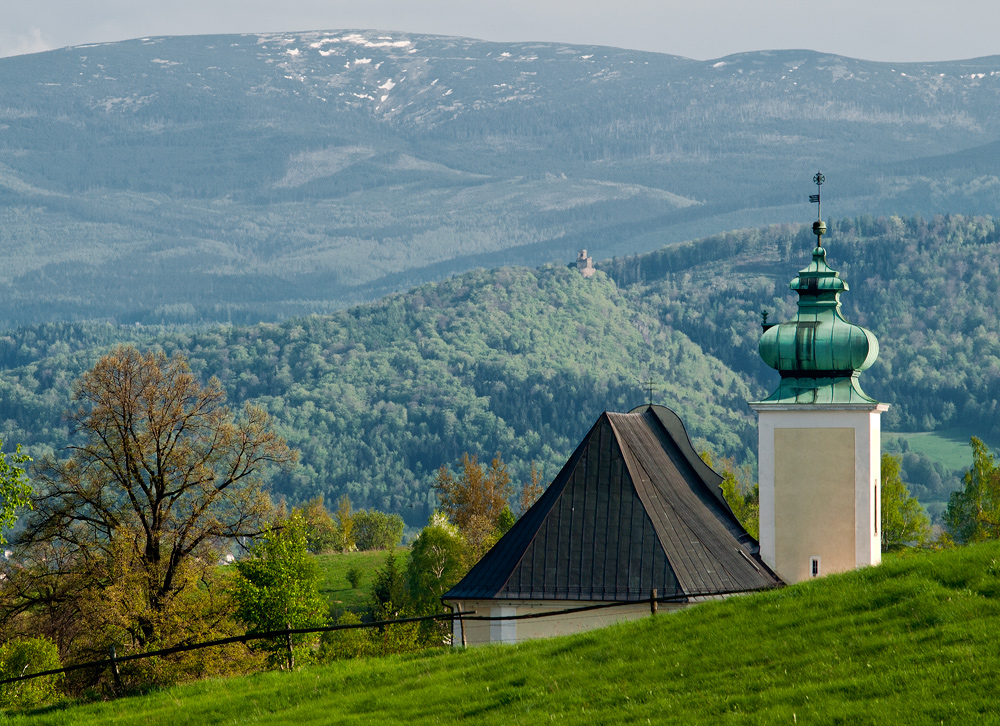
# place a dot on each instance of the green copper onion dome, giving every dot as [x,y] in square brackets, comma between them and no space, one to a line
[819,354]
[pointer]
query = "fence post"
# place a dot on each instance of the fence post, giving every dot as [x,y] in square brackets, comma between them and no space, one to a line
[288,646]
[114,668]
[461,624]
[652,602]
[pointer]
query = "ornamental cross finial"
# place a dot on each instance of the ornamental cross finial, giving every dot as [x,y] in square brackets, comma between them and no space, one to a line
[650,384]
[819,228]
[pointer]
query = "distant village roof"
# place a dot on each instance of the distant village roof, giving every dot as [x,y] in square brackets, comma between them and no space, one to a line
[633,509]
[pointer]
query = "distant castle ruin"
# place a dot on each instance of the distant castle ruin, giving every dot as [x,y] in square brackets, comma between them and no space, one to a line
[585,264]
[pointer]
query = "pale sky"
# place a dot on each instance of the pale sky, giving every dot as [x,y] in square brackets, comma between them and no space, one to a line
[889,30]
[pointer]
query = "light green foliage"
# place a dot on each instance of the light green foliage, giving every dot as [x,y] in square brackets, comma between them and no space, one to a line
[742,493]
[14,488]
[913,641]
[375,530]
[973,514]
[437,561]
[904,521]
[278,586]
[22,657]
[343,644]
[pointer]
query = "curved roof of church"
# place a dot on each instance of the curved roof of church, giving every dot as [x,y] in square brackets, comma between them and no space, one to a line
[633,509]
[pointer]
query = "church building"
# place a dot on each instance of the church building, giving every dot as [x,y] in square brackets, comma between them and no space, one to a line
[819,450]
[636,515]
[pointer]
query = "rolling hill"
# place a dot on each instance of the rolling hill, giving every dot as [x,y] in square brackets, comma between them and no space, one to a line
[523,361]
[912,641]
[239,178]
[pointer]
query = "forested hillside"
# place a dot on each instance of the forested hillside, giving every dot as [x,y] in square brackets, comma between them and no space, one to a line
[522,361]
[239,178]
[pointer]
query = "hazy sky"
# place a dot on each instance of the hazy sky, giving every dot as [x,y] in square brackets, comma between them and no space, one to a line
[891,30]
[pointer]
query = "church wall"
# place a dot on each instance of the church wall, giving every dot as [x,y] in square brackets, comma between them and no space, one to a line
[516,631]
[816,461]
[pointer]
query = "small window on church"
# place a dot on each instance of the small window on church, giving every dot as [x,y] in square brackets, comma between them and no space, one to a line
[814,567]
[876,507]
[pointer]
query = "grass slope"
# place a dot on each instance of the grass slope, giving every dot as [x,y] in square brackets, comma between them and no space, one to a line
[333,571]
[912,641]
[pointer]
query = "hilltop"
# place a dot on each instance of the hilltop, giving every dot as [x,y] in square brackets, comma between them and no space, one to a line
[911,641]
[240,178]
[523,361]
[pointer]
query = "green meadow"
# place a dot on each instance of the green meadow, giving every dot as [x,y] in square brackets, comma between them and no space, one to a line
[949,447]
[334,584]
[913,641]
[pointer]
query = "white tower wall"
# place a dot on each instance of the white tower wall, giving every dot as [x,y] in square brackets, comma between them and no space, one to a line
[820,494]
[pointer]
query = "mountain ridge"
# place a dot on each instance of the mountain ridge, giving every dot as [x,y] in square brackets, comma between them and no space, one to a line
[169,169]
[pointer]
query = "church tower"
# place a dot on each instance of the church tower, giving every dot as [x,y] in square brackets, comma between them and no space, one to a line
[819,446]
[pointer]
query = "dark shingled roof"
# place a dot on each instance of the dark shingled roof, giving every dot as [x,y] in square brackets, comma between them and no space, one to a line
[634,508]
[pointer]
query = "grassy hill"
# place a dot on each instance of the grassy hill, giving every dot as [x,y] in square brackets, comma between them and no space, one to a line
[913,641]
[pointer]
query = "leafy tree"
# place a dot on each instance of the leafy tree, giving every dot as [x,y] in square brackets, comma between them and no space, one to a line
[388,589]
[475,501]
[278,586]
[437,561]
[345,534]
[973,513]
[741,492]
[14,488]
[162,474]
[530,491]
[375,530]
[321,533]
[23,657]
[904,520]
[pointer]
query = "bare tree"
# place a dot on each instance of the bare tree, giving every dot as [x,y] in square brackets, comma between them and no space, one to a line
[162,474]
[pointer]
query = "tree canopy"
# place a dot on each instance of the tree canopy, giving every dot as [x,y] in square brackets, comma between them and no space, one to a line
[161,474]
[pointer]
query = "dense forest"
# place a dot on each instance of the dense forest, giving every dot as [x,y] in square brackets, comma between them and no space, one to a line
[522,361]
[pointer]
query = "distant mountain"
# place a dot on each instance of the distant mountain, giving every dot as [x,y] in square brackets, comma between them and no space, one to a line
[248,177]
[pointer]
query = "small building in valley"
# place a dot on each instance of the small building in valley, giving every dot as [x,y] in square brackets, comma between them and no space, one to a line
[634,511]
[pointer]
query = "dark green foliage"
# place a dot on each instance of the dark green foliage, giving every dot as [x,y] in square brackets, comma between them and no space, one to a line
[354,577]
[973,513]
[378,397]
[375,530]
[388,589]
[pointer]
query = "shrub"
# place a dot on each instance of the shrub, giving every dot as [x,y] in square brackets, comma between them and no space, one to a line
[375,530]
[21,657]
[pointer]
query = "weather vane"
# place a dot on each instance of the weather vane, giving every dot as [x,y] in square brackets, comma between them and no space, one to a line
[819,227]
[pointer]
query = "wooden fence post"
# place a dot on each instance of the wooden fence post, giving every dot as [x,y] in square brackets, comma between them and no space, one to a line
[288,645]
[461,624]
[652,602]
[114,668]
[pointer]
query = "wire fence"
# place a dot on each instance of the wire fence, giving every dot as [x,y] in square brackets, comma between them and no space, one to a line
[113,660]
